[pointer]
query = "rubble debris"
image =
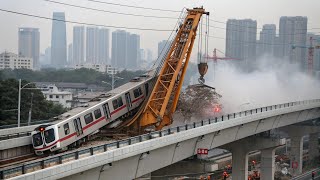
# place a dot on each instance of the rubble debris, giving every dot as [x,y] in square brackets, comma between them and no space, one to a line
[199,101]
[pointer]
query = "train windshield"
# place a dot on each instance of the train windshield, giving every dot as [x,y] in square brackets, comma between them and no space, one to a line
[37,140]
[49,135]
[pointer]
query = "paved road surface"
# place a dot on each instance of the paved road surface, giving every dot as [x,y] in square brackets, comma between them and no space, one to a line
[307,175]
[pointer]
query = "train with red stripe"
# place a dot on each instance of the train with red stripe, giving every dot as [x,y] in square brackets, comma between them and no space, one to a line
[76,125]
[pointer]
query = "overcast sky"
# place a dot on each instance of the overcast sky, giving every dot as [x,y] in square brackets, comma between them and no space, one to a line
[264,11]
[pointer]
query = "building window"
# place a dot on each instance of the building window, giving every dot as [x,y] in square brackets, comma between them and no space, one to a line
[66,128]
[97,113]
[57,96]
[88,118]
[50,96]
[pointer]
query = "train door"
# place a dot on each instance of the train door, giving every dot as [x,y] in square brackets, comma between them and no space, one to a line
[128,100]
[106,110]
[146,86]
[78,126]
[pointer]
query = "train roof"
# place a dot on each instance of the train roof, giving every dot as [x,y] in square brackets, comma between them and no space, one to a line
[101,97]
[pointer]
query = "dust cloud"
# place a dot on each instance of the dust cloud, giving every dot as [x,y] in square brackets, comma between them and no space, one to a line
[267,81]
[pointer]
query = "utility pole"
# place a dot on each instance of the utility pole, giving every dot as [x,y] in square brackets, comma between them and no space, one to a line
[30,111]
[19,101]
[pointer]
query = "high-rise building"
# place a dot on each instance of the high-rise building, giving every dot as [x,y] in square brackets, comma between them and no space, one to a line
[293,31]
[241,39]
[97,45]
[119,49]
[133,50]
[29,45]
[149,55]
[267,39]
[163,46]
[92,43]
[104,47]
[58,41]
[78,45]
[125,50]
[70,53]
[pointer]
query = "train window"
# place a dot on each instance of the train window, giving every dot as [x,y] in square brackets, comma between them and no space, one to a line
[66,128]
[88,118]
[137,92]
[120,103]
[97,113]
[49,135]
[37,139]
[115,104]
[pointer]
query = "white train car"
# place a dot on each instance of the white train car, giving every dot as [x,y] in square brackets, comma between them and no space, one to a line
[80,122]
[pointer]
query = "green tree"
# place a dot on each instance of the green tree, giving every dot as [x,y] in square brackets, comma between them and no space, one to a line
[41,109]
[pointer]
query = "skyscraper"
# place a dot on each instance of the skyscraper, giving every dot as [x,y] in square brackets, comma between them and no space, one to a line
[29,44]
[267,39]
[293,31]
[58,41]
[125,49]
[163,46]
[70,54]
[78,45]
[133,50]
[241,39]
[92,43]
[316,53]
[119,49]
[103,48]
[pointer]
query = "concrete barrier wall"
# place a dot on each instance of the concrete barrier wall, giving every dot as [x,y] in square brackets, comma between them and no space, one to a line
[133,161]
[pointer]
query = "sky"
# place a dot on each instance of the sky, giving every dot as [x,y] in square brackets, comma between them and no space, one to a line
[264,11]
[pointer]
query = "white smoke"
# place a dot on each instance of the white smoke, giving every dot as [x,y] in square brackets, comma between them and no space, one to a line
[273,81]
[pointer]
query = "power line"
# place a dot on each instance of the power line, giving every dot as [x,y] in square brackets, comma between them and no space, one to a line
[83,23]
[147,16]
[131,6]
[106,11]
[221,22]
[259,33]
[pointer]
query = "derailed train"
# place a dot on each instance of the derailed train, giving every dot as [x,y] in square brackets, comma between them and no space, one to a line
[77,124]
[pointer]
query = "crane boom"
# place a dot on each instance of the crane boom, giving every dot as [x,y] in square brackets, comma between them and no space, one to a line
[158,111]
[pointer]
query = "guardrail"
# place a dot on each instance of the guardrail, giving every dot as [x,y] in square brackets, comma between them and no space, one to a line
[26,124]
[13,171]
[15,135]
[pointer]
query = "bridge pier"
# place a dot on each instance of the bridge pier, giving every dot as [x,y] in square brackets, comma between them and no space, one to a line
[241,148]
[313,146]
[296,134]
[267,166]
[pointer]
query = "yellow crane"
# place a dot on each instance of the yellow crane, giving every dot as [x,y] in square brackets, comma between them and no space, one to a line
[158,109]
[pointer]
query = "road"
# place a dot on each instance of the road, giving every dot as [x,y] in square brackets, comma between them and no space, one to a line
[307,175]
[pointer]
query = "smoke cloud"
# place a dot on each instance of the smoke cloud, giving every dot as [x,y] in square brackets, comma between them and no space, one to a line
[270,81]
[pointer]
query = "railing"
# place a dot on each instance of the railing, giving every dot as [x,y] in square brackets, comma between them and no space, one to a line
[14,135]
[26,124]
[13,171]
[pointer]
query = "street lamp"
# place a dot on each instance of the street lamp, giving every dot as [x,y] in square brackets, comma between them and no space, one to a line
[113,80]
[19,98]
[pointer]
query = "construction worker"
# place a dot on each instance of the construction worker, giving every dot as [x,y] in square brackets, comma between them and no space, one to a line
[225,175]
[313,175]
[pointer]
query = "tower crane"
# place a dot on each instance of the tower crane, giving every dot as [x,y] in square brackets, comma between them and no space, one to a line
[215,58]
[159,107]
[310,53]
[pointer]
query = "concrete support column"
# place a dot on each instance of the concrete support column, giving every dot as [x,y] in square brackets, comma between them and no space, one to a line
[296,154]
[313,146]
[267,166]
[239,164]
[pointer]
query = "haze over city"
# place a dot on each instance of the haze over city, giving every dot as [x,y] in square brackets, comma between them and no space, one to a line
[264,11]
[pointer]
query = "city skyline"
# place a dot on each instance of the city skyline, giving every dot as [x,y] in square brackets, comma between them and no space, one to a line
[220,11]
